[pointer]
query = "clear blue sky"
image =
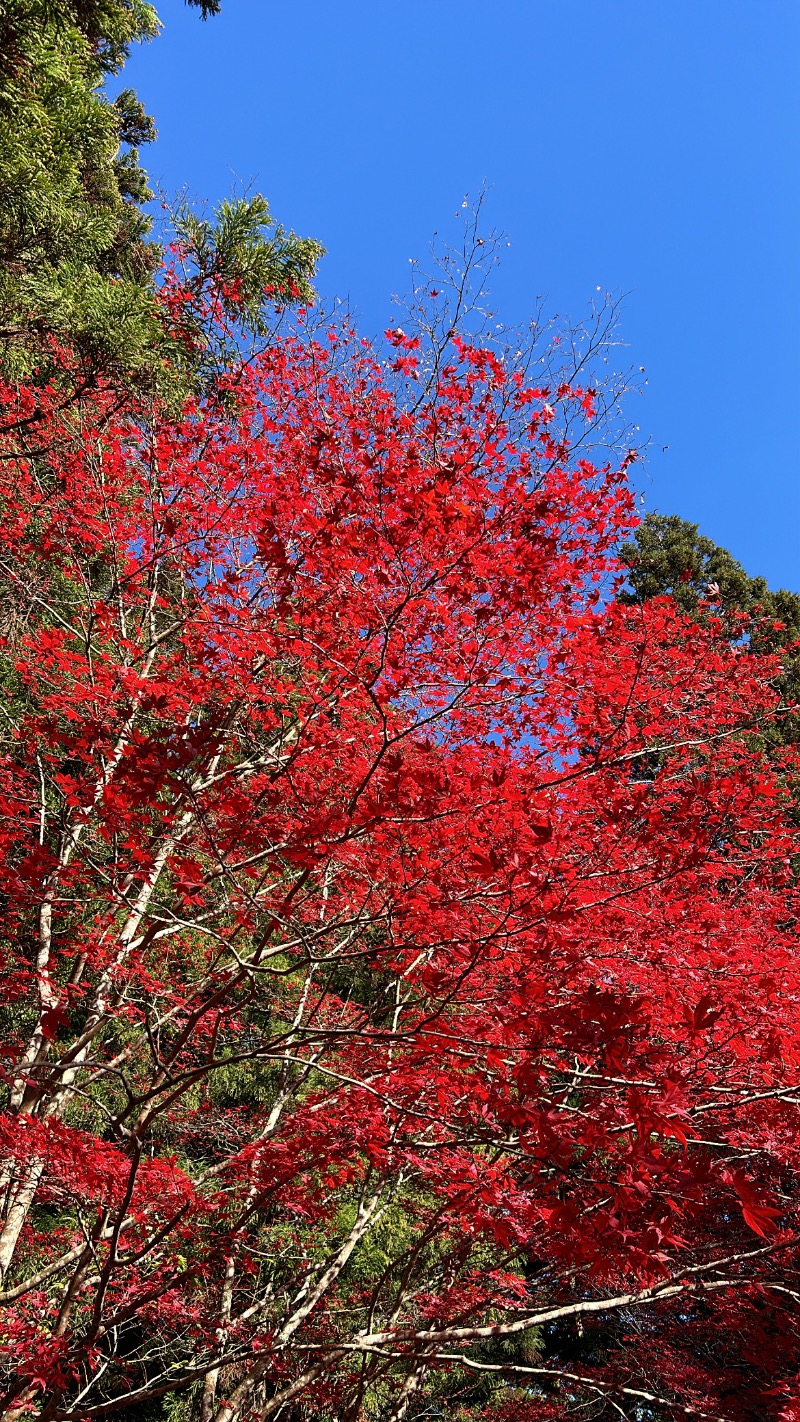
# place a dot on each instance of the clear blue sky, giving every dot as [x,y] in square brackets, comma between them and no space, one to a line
[644,146]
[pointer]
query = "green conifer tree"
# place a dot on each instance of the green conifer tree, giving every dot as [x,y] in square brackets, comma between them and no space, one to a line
[668,555]
[77,259]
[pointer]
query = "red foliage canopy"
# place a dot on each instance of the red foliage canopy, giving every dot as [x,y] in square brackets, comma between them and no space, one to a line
[400,965]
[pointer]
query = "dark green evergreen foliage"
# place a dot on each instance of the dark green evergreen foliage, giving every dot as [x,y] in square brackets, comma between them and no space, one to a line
[77,258]
[670,556]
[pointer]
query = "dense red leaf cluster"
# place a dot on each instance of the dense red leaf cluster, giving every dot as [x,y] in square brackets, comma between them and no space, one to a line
[401,987]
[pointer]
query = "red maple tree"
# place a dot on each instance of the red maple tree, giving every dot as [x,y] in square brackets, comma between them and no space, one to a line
[400,972]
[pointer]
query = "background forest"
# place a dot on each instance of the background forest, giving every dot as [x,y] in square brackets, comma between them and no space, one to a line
[399,833]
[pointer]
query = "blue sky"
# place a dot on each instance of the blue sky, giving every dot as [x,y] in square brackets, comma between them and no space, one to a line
[644,146]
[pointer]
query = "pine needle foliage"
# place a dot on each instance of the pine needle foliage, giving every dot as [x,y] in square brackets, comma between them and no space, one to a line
[78,263]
